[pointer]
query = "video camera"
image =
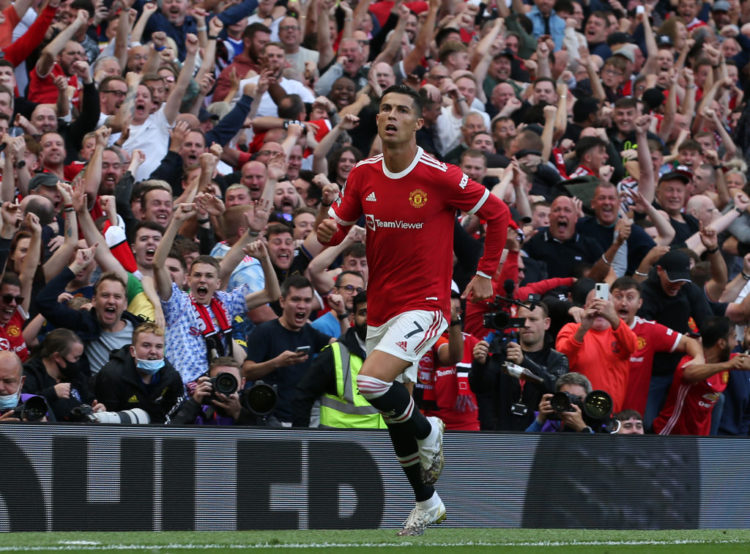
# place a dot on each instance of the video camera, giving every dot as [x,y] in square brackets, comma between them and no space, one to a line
[500,319]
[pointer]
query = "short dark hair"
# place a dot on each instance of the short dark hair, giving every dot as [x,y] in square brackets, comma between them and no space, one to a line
[690,144]
[224,361]
[10,278]
[543,79]
[290,106]
[150,225]
[176,255]
[408,91]
[348,272]
[587,143]
[627,414]
[360,298]
[278,229]
[356,250]
[87,5]
[626,102]
[626,283]
[294,281]
[717,327]
[253,28]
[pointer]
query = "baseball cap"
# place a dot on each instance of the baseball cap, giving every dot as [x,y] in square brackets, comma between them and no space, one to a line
[43,180]
[618,38]
[720,6]
[627,51]
[507,53]
[681,172]
[677,266]
[204,115]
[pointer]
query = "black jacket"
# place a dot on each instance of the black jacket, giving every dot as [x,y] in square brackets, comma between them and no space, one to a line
[83,323]
[119,387]
[38,381]
[489,381]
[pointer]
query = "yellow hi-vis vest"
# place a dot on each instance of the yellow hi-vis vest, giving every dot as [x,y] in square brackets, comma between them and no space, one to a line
[348,408]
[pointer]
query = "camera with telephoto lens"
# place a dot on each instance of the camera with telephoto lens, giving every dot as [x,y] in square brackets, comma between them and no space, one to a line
[596,407]
[224,383]
[86,414]
[34,409]
[260,399]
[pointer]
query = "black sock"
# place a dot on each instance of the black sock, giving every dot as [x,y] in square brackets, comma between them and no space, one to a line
[405,446]
[405,423]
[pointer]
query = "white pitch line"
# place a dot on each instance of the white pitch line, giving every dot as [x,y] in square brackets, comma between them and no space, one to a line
[102,547]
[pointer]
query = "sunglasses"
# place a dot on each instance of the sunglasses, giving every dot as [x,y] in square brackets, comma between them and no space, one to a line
[8,298]
[347,288]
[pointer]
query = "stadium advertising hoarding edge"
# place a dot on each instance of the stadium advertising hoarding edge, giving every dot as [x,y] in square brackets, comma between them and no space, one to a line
[121,478]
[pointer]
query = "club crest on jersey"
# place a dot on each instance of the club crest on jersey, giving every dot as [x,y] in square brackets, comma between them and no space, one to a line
[417,198]
[370,221]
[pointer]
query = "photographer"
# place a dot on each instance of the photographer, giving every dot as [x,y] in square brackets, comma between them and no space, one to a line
[138,376]
[547,419]
[513,400]
[12,402]
[59,373]
[207,406]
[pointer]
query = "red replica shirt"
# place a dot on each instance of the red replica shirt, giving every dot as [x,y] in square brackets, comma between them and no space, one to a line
[651,337]
[44,91]
[689,405]
[11,338]
[581,171]
[409,218]
[457,404]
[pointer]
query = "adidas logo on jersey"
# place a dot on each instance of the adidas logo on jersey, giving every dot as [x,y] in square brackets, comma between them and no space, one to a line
[402,345]
[371,197]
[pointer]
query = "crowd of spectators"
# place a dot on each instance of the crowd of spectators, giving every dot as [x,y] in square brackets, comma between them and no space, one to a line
[164,167]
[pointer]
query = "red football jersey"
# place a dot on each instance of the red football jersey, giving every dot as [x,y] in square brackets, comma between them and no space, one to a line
[651,338]
[409,218]
[457,404]
[11,338]
[689,405]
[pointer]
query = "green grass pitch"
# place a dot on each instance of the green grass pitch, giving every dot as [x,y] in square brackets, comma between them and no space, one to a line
[435,540]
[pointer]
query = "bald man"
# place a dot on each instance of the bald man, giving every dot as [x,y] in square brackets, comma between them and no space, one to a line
[562,248]
[702,208]
[11,384]
[254,178]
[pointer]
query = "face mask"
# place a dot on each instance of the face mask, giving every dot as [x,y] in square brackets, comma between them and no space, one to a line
[149,366]
[70,370]
[8,401]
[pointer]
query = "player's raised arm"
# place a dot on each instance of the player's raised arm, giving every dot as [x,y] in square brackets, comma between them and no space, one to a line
[497,215]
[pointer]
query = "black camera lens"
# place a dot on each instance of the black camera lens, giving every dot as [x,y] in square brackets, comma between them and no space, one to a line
[560,402]
[225,383]
[260,399]
[34,409]
[598,404]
